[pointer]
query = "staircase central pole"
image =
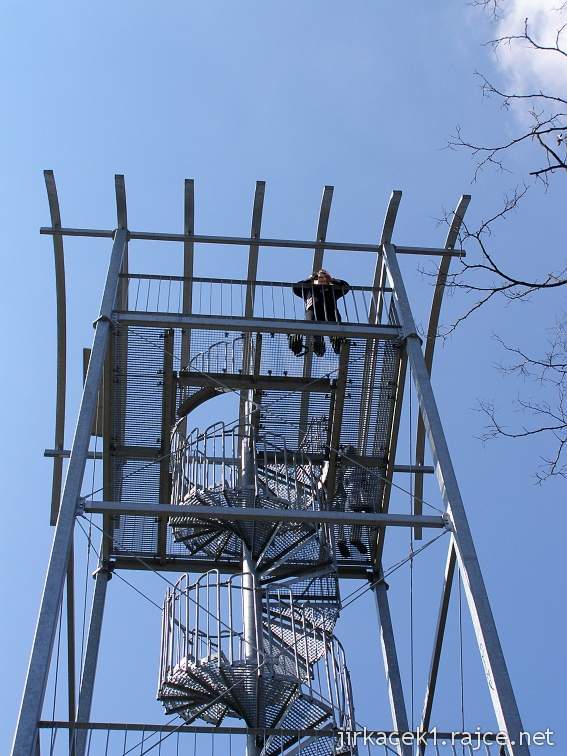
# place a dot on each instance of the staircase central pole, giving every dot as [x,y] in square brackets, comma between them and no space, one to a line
[252,626]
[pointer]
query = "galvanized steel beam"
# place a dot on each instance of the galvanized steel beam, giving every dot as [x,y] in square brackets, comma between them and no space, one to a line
[188,258]
[318,254]
[246,241]
[391,665]
[102,577]
[36,678]
[496,671]
[370,519]
[263,325]
[438,641]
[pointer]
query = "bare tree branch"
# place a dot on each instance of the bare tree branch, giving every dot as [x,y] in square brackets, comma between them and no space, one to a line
[526,37]
[541,144]
[549,417]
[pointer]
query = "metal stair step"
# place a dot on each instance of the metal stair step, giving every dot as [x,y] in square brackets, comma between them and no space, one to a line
[305,712]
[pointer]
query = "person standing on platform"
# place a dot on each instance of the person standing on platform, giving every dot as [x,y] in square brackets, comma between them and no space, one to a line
[320,293]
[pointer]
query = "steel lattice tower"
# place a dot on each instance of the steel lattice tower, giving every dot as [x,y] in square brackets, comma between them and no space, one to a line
[262,517]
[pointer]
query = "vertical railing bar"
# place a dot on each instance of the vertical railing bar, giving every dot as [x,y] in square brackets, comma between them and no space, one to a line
[355,306]
[286,469]
[137,294]
[187,618]
[218,617]
[198,623]
[230,622]
[242,643]
[208,617]
[172,648]
[306,652]
[327,676]
[293,630]
[334,662]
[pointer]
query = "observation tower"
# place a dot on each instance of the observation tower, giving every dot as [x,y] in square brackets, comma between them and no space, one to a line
[257,522]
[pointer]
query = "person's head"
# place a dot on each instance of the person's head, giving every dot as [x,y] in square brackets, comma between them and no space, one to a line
[323,276]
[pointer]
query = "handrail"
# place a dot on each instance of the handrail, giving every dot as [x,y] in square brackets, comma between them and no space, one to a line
[206,279]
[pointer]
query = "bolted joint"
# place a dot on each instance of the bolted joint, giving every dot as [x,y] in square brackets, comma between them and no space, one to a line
[80,508]
[105,568]
[115,231]
[402,341]
[376,580]
[448,522]
[103,319]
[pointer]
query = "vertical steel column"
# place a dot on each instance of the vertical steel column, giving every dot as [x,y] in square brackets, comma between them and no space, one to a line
[322,226]
[495,669]
[336,418]
[391,666]
[70,611]
[438,642]
[188,254]
[249,628]
[38,670]
[102,577]
[167,420]
[375,316]
[248,357]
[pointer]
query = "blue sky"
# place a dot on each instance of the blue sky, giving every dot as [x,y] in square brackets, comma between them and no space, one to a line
[363,97]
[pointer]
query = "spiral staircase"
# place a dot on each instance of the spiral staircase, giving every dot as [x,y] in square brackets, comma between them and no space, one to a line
[259,645]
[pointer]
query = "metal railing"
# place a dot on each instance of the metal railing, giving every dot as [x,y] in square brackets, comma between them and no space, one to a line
[210,460]
[225,356]
[203,625]
[227,298]
[201,622]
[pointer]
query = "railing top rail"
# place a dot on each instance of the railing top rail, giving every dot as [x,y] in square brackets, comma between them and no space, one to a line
[239,281]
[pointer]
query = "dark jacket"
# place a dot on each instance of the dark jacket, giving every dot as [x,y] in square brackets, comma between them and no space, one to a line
[321,299]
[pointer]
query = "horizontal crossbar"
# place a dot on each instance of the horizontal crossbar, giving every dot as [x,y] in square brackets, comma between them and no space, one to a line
[148,452]
[228,730]
[247,241]
[257,325]
[249,514]
[262,382]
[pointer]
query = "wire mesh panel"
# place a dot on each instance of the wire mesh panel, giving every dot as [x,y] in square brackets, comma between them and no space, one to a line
[136,432]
